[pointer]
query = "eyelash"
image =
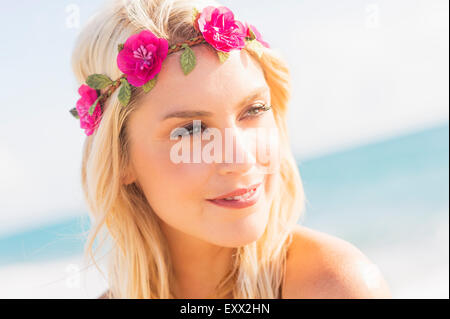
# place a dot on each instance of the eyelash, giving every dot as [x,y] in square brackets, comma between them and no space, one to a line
[262,106]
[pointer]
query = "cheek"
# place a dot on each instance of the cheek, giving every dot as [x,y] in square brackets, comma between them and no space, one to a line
[170,188]
[268,155]
[264,143]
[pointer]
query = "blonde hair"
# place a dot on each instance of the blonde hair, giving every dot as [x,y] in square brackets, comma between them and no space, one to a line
[139,264]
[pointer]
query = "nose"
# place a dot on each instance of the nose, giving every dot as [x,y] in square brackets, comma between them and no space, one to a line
[238,154]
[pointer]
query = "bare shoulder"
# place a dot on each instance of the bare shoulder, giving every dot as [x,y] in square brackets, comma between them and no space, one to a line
[323,266]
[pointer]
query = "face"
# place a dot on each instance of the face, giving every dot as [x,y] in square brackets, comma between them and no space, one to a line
[229,99]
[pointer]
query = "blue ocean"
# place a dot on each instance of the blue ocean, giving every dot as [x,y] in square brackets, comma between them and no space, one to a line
[375,196]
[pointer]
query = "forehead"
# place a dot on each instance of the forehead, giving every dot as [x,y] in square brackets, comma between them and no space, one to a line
[210,81]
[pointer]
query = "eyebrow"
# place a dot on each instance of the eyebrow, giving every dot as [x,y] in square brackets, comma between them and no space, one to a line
[193,113]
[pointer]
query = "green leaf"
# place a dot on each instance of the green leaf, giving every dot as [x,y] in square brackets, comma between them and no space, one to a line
[187,60]
[223,56]
[125,92]
[74,112]
[98,81]
[195,13]
[252,34]
[120,47]
[256,46]
[93,106]
[149,85]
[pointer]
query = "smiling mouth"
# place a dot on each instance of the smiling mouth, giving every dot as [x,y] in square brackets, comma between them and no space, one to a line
[239,194]
[241,197]
[247,199]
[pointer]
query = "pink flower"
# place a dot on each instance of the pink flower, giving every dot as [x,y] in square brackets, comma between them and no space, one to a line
[88,122]
[257,34]
[141,57]
[221,30]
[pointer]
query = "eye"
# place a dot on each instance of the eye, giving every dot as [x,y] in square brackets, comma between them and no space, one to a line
[191,130]
[258,110]
[254,111]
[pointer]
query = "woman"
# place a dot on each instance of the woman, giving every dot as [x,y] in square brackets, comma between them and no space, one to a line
[161,69]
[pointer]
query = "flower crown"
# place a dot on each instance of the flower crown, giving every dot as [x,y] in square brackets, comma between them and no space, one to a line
[141,56]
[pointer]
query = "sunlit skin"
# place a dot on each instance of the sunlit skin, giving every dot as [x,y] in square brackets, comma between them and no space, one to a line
[202,236]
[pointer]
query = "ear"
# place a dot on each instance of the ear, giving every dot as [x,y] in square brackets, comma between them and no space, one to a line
[128,177]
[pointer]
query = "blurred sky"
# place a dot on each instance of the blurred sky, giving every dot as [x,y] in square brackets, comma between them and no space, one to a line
[362,71]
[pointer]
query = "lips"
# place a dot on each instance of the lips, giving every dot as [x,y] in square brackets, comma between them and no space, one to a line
[250,197]
[237,192]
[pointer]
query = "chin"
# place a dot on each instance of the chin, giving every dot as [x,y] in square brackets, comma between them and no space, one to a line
[244,232]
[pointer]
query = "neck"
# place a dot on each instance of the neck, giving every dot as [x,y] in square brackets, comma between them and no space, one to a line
[198,266]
